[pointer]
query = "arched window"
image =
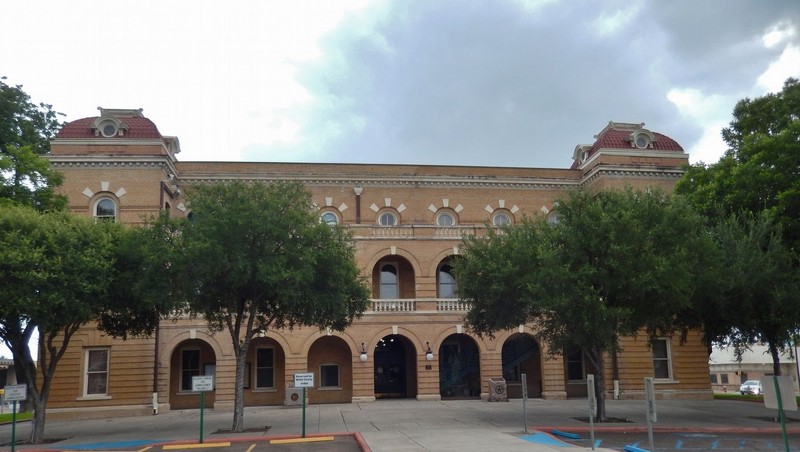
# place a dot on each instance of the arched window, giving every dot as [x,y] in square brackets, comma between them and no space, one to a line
[105,210]
[329,218]
[390,287]
[501,219]
[447,282]
[387,219]
[445,219]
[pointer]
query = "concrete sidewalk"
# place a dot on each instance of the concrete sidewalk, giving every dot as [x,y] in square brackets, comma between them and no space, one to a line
[410,425]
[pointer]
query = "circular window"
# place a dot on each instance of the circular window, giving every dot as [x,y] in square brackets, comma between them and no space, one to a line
[329,218]
[445,219]
[387,219]
[108,128]
[642,141]
[501,219]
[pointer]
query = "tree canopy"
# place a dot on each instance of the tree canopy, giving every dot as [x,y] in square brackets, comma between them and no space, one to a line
[616,263]
[25,133]
[58,272]
[254,257]
[760,171]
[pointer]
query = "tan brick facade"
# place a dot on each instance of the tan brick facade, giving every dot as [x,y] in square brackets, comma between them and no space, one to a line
[142,176]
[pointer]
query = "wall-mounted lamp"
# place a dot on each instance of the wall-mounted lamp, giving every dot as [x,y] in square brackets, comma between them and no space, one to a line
[358,189]
[363,356]
[429,353]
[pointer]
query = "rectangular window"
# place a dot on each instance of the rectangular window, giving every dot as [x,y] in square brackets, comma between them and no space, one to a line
[724,378]
[713,379]
[575,365]
[661,364]
[190,367]
[329,376]
[743,377]
[265,368]
[96,381]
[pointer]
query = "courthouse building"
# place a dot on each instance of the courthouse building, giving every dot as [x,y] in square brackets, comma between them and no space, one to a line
[407,221]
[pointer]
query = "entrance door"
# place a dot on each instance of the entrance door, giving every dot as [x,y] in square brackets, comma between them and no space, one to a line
[390,368]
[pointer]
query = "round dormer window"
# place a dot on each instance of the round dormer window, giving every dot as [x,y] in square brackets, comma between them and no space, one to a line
[642,141]
[108,128]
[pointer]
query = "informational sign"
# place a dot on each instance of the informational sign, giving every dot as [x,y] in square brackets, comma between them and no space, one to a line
[650,396]
[202,383]
[304,380]
[15,393]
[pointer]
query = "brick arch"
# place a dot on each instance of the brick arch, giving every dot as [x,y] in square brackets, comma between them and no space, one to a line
[331,350]
[407,255]
[413,337]
[355,346]
[438,258]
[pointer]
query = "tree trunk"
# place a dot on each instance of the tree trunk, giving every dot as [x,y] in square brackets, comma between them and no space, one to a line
[238,398]
[39,411]
[776,358]
[597,361]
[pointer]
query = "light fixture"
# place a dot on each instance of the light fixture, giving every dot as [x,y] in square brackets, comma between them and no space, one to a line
[363,356]
[429,353]
[358,189]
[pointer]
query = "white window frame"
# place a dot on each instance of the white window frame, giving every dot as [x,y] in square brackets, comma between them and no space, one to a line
[439,272]
[386,214]
[271,366]
[668,359]
[338,376]
[446,214]
[502,213]
[87,372]
[329,213]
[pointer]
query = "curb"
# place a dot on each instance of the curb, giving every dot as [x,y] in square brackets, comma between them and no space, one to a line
[674,429]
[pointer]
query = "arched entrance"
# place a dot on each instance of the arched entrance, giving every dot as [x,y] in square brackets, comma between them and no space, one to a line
[459,367]
[395,368]
[191,358]
[331,360]
[521,355]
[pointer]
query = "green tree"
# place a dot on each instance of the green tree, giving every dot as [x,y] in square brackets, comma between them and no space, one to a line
[617,263]
[57,272]
[760,285]
[255,257]
[760,171]
[25,133]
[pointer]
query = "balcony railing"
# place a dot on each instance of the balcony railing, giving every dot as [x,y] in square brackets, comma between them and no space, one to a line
[426,305]
[412,231]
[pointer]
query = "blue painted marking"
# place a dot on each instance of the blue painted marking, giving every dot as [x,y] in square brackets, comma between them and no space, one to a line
[544,438]
[741,444]
[678,444]
[597,443]
[714,444]
[566,434]
[634,449]
[107,445]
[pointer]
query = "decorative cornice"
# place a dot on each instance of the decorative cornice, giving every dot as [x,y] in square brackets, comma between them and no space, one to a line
[625,172]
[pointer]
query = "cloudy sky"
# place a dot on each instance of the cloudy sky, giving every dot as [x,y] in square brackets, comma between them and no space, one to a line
[500,83]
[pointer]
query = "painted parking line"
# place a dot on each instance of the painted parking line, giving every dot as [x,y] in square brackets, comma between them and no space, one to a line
[195,446]
[302,440]
[109,445]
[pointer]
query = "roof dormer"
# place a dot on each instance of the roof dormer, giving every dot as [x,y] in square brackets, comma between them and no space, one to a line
[108,123]
[641,139]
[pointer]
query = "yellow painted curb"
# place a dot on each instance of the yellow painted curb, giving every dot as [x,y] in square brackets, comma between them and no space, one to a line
[195,446]
[301,440]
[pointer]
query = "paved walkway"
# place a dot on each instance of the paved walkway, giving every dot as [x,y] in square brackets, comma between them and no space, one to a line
[414,426]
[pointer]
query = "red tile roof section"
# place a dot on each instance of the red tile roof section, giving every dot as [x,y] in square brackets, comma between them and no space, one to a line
[138,128]
[617,139]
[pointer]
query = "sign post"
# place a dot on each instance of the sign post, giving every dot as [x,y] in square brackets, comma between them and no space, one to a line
[14,393]
[650,395]
[592,404]
[201,384]
[304,380]
[525,401]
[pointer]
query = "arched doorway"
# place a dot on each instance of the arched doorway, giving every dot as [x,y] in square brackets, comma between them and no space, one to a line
[191,358]
[395,368]
[459,367]
[521,355]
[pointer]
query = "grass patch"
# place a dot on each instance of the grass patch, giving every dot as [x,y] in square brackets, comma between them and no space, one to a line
[6,417]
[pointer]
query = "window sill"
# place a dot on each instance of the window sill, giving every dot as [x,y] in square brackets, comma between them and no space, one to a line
[93,397]
[188,393]
[576,382]
[330,388]
[665,381]
[264,390]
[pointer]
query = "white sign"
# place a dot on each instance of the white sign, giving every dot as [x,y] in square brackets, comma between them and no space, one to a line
[304,380]
[15,393]
[202,383]
[788,402]
[592,396]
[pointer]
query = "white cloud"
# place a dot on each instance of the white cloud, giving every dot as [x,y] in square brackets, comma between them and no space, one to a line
[711,112]
[787,65]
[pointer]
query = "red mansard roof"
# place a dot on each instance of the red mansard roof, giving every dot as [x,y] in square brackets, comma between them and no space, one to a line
[138,128]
